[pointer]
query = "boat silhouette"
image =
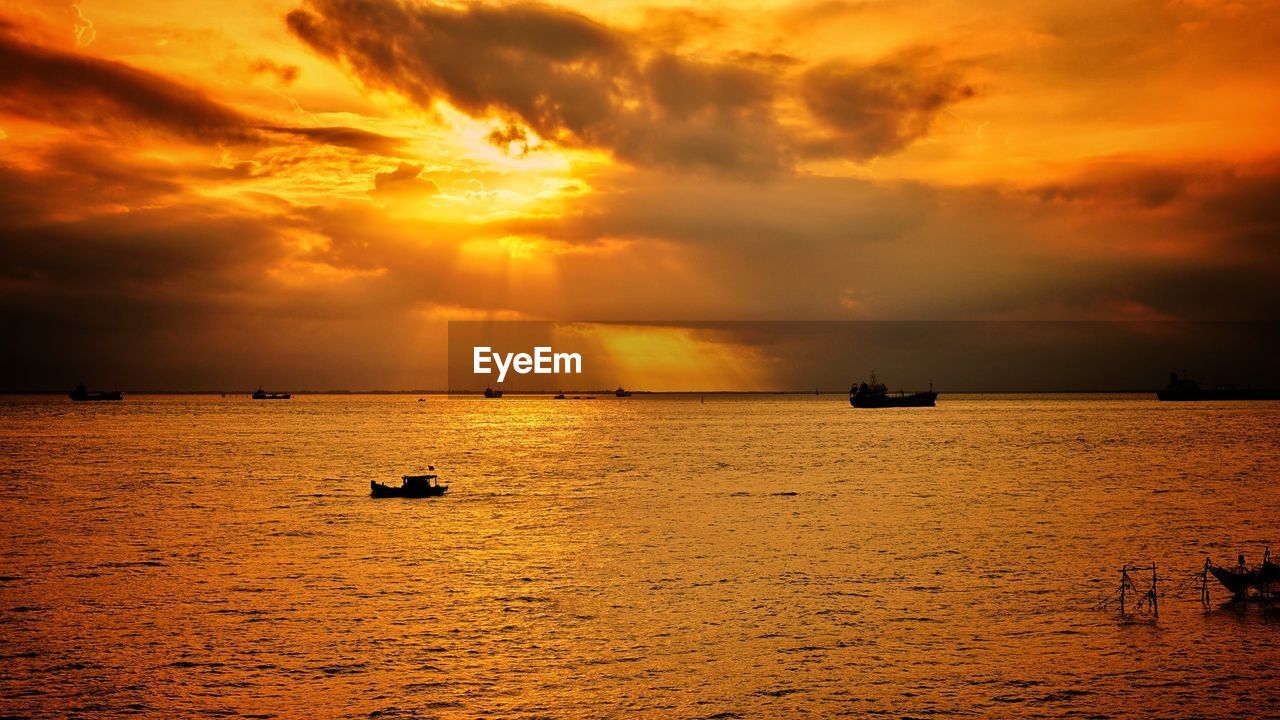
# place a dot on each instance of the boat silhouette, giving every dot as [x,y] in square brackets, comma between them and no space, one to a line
[82,394]
[491,393]
[1184,389]
[261,394]
[876,395]
[411,486]
[621,392]
[1242,578]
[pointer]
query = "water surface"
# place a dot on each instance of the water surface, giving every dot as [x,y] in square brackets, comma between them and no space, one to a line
[750,556]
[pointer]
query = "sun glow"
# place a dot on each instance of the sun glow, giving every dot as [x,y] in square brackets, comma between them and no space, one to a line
[668,359]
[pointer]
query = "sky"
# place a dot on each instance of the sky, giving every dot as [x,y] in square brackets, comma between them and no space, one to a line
[304,193]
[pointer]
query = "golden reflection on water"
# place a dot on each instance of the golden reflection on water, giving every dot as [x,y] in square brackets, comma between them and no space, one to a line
[758,557]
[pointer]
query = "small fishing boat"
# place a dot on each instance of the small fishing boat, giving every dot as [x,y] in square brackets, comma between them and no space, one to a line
[1239,579]
[82,394]
[411,486]
[261,394]
[491,393]
[559,397]
[620,392]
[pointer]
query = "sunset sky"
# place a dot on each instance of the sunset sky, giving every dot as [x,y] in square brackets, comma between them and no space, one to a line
[302,193]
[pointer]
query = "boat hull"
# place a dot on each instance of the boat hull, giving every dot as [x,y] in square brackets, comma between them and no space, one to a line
[1237,582]
[920,399]
[378,490]
[1222,394]
[97,397]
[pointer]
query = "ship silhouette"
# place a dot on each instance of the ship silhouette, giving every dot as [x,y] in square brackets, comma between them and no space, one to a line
[875,394]
[82,394]
[1182,388]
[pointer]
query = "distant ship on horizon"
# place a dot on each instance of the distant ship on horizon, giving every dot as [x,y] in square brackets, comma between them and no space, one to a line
[1182,389]
[261,394]
[876,395]
[82,394]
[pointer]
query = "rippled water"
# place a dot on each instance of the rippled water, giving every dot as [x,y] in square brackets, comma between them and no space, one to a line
[771,556]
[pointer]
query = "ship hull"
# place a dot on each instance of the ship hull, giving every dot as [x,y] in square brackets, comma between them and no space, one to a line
[378,490]
[921,399]
[1224,394]
[97,397]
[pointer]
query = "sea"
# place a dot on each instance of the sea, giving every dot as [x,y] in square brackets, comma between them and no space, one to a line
[659,556]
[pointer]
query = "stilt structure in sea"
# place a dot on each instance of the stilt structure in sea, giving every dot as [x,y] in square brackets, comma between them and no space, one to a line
[1130,598]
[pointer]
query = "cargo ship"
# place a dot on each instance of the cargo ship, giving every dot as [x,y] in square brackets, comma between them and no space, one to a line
[82,394]
[1183,389]
[876,395]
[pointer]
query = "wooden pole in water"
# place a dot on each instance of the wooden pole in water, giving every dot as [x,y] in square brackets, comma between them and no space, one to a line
[1155,594]
[1124,580]
[1204,583]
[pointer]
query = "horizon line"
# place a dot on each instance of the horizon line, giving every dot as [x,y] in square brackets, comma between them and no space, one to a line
[479,391]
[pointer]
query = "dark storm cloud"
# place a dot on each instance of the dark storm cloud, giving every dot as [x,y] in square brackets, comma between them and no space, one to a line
[1214,229]
[1234,205]
[557,70]
[188,292]
[569,79]
[66,228]
[580,83]
[879,108]
[841,247]
[1124,182]
[353,138]
[74,90]
[65,88]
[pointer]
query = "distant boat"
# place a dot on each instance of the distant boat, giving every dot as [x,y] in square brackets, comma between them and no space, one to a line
[1239,579]
[559,397]
[621,393]
[82,394]
[876,395]
[1182,389]
[411,486]
[261,394]
[491,393]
